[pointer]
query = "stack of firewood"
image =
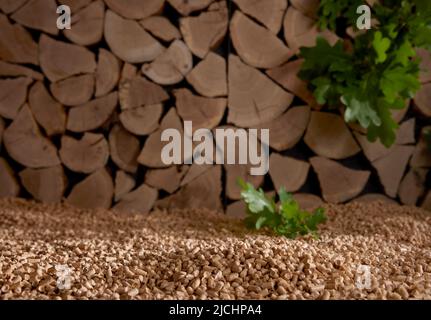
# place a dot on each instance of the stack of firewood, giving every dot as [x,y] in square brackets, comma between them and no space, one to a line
[82,109]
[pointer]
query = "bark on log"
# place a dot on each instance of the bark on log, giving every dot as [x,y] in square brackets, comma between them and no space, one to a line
[38,14]
[139,201]
[136,9]
[13,94]
[138,92]
[73,91]
[187,7]
[9,186]
[412,187]
[168,179]
[161,27]
[287,172]
[107,73]
[124,183]
[14,70]
[142,121]
[125,149]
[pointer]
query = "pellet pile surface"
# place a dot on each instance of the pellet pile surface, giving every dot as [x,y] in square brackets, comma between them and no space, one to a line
[59,252]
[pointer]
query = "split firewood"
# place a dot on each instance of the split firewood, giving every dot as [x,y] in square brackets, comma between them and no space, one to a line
[270,12]
[187,7]
[425,66]
[9,186]
[9,6]
[136,9]
[124,183]
[61,60]
[406,132]
[38,14]
[86,155]
[342,186]
[16,43]
[426,203]
[75,5]
[422,99]
[209,77]
[73,91]
[194,172]
[308,201]
[412,186]
[422,154]
[171,66]
[235,171]
[87,24]
[203,112]
[206,31]
[373,197]
[95,191]
[13,94]
[307,7]
[125,149]
[399,114]
[93,114]
[138,92]
[168,179]
[129,41]
[161,28]
[372,150]
[48,113]
[140,200]
[14,70]
[328,136]
[237,210]
[128,73]
[142,121]
[46,185]
[253,97]
[287,172]
[256,45]
[107,73]
[391,168]
[294,121]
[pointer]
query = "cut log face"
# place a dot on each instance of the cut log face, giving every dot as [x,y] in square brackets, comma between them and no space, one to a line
[412,186]
[48,113]
[139,201]
[421,156]
[342,186]
[93,114]
[328,136]
[75,5]
[9,187]
[206,31]
[307,201]
[256,45]
[14,70]
[235,171]
[124,183]
[73,91]
[406,132]
[87,155]
[287,172]
[129,41]
[16,43]
[61,60]
[38,14]
[25,144]
[168,179]
[136,9]
[425,66]
[187,7]
[307,7]
[46,185]
[209,77]
[161,28]
[373,197]
[372,150]
[142,121]
[422,99]
[13,94]
[138,92]
[9,6]
[253,97]
[237,210]
[87,25]
[107,73]
[171,66]
[125,149]
[194,171]
[95,191]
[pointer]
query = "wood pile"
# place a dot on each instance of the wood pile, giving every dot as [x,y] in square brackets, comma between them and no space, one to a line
[82,109]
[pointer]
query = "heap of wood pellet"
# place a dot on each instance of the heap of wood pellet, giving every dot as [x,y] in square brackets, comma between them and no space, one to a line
[203,255]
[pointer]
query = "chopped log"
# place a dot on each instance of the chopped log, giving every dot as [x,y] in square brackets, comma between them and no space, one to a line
[48,113]
[38,14]
[14,70]
[9,187]
[256,45]
[138,92]
[107,73]
[287,172]
[86,155]
[13,94]
[124,183]
[16,43]
[9,6]
[95,191]
[194,172]
[129,41]
[75,5]
[399,114]
[237,210]
[412,186]
[328,136]
[161,28]
[168,179]
[253,97]
[93,114]
[74,91]
[342,186]
[426,203]
[425,66]
[139,201]
[269,13]
[235,171]
[209,77]
[46,185]
[294,121]
[171,66]
[87,24]
[422,99]
[391,168]
[128,73]
[372,150]
[136,9]
[61,60]
[203,112]
[406,132]
[308,201]
[142,121]
[125,149]
[287,76]
[422,154]
[206,31]
[187,7]
[307,7]
[373,197]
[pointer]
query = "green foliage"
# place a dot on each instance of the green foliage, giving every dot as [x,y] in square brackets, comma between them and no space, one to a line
[285,219]
[380,73]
